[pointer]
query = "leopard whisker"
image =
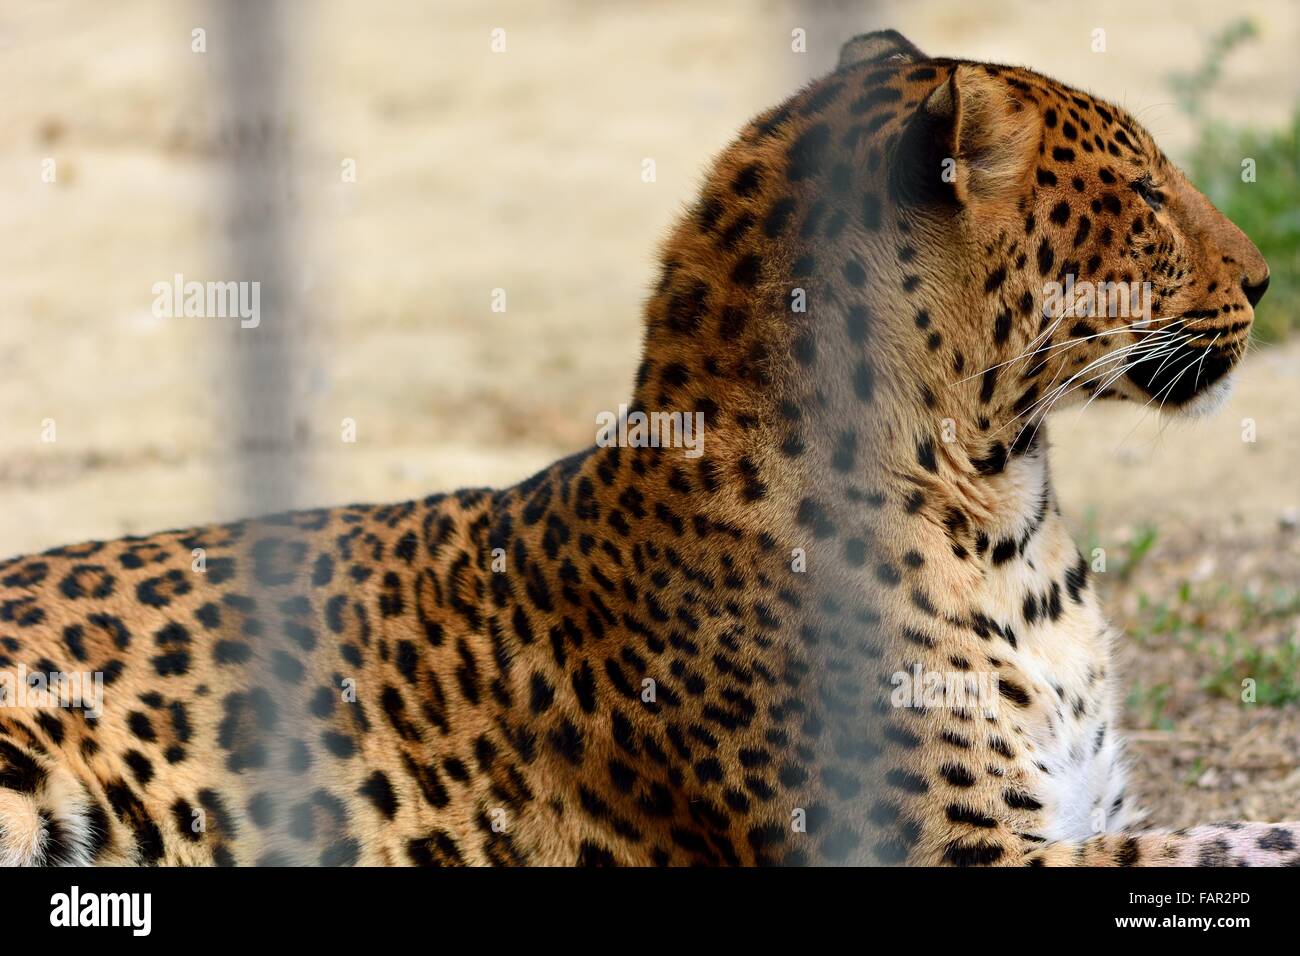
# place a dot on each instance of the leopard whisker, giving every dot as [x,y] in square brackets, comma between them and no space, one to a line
[1033,348]
[1164,332]
[1163,349]
[1141,347]
[1144,351]
[1165,392]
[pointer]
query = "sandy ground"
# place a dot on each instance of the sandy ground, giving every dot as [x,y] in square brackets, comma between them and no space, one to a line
[521,171]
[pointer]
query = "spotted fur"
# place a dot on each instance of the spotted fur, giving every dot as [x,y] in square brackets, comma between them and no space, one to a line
[639,657]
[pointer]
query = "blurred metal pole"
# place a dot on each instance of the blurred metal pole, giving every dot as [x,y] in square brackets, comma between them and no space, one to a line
[257,144]
[830,24]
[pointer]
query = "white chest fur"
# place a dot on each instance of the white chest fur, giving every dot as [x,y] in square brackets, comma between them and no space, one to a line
[1063,649]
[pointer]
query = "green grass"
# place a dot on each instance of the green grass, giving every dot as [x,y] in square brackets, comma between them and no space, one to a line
[1148,706]
[1135,549]
[1276,671]
[1188,620]
[1266,209]
[1132,551]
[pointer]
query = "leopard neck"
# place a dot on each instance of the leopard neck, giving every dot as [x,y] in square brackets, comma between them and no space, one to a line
[839,447]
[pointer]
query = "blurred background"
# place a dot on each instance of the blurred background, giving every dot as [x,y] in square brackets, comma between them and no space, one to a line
[382,169]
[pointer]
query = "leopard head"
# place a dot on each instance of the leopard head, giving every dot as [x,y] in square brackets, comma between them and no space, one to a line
[1106,272]
[921,257]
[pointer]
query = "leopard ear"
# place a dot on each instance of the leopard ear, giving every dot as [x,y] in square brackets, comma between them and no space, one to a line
[877,48]
[992,135]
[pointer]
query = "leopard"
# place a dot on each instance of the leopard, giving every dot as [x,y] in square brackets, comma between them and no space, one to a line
[854,629]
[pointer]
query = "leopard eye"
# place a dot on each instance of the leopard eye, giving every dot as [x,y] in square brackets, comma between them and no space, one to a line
[1149,192]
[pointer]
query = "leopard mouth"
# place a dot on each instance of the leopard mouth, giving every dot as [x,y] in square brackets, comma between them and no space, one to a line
[1176,378]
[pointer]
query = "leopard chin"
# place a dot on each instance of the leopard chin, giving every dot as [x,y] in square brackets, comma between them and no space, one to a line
[1181,379]
[1208,402]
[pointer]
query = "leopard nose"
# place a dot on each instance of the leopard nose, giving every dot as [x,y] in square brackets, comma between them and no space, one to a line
[1254,292]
